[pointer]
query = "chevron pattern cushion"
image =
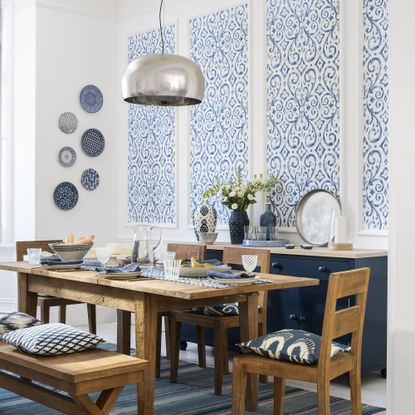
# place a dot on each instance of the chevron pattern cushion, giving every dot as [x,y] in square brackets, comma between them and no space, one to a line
[15,321]
[51,339]
[297,346]
[218,310]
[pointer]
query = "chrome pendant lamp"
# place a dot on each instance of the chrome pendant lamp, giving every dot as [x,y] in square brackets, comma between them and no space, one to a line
[163,79]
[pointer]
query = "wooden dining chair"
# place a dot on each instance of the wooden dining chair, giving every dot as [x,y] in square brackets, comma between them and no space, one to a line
[219,323]
[336,324]
[46,302]
[183,251]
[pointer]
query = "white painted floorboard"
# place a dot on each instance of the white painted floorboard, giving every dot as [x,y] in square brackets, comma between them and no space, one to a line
[373,385]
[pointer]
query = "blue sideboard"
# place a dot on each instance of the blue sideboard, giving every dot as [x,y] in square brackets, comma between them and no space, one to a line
[303,308]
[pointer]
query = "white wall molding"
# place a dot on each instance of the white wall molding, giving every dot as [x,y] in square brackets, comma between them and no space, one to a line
[8,305]
[68,8]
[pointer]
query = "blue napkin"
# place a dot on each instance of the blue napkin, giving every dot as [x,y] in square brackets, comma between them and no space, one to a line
[214,262]
[228,275]
[133,267]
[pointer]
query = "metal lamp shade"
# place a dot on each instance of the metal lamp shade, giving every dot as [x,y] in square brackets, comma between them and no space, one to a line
[165,80]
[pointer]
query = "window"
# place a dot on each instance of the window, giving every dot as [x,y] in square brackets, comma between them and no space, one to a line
[6,82]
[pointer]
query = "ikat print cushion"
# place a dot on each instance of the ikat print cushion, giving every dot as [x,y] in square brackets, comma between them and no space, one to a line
[219,310]
[16,321]
[297,346]
[51,339]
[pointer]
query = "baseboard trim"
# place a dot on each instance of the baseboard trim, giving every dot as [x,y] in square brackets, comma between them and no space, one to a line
[8,305]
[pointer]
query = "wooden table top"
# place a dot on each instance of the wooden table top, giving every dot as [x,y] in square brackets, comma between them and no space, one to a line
[163,288]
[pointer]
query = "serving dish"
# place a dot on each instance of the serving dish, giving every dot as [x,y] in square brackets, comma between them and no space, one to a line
[70,252]
[189,272]
[314,216]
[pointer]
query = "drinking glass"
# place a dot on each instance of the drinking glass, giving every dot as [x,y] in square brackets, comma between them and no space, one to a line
[34,255]
[170,255]
[172,268]
[249,262]
[103,255]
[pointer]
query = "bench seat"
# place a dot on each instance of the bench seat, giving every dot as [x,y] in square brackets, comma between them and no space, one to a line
[76,374]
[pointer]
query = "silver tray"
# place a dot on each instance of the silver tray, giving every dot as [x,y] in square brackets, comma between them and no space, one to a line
[265,244]
[314,216]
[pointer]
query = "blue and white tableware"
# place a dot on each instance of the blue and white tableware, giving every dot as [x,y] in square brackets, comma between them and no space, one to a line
[90,179]
[92,142]
[65,196]
[67,156]
[91,98]
[68,122]
[204,219]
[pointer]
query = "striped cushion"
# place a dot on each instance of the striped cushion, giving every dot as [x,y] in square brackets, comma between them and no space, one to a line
[15,321]
[297,346]
[219,310]
[51,339]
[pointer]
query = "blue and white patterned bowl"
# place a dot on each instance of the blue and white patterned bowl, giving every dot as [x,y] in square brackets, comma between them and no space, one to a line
[68,252]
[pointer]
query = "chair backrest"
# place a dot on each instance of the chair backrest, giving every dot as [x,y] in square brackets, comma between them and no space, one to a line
[349,320]
[21,247]
[188,251]
[233,256]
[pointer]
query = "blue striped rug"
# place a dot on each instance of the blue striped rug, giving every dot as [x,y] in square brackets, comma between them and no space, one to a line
[193,395]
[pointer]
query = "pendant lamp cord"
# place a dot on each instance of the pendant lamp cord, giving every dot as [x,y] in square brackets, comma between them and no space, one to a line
[161,27]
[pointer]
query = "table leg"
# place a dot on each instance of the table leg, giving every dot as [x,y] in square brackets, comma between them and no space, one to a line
[248,320]
[123,332]
[146,345]
[27,300]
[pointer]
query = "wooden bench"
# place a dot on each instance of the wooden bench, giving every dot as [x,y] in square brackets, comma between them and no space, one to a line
[76,374]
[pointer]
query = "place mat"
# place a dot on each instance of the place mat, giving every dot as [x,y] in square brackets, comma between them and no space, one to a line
[158,274]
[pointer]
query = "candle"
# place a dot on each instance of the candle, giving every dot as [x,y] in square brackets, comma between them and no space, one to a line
[340,230]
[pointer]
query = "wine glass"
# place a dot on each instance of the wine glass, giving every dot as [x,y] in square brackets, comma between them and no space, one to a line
[249,262]
[103,255]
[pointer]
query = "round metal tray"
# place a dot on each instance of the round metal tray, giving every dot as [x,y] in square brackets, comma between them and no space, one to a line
[314,216]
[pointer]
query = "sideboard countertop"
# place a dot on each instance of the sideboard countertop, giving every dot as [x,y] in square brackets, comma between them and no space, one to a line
[315,252]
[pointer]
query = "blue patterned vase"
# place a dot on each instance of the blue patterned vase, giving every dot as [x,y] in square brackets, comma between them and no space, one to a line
[237,222]
[204,219]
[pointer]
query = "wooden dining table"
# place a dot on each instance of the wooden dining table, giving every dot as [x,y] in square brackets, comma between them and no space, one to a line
[146,298]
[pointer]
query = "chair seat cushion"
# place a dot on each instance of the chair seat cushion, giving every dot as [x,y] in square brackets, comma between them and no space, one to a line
[51,339]
[15,321]
[220,310]
[297,346]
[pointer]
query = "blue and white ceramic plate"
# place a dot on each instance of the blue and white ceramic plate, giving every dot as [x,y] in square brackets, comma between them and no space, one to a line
[68,122]
[90,179]
[67,156]
[65,196]
[91,98]
[92,142]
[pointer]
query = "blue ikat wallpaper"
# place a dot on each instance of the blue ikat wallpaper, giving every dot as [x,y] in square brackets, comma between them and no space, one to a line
[151,143]
[376,115]
[219,126]
[303,100]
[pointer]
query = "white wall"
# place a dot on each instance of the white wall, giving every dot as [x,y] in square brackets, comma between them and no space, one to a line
[141,15]
[401,327]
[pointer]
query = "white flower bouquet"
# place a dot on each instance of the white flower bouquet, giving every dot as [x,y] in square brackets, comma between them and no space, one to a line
[237,194]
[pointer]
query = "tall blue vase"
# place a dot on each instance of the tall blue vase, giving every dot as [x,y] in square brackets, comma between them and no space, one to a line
[237,222]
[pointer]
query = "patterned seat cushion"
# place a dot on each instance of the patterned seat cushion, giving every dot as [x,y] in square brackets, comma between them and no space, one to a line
[15,321]
[51,339]
[297,346]
[219,310]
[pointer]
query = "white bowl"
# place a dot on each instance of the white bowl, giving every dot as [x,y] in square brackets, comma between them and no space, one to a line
[207,238]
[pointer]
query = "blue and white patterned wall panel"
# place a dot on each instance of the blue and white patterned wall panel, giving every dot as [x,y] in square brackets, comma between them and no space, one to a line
[219,126]
[376,115]
[303,100]
[151,143]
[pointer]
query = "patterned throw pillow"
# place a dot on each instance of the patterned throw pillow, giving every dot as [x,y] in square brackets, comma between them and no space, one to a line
[291,345]
[51,339]
[220,310]
[15,321]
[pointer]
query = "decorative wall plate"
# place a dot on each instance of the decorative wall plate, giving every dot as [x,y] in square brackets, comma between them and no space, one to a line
[68,122]
[65,196]
[92,142]
[314,216]
[67,156]
[90,179]
[91,98]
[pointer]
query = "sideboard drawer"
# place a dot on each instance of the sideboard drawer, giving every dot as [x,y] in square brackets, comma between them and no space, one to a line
[306,267]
